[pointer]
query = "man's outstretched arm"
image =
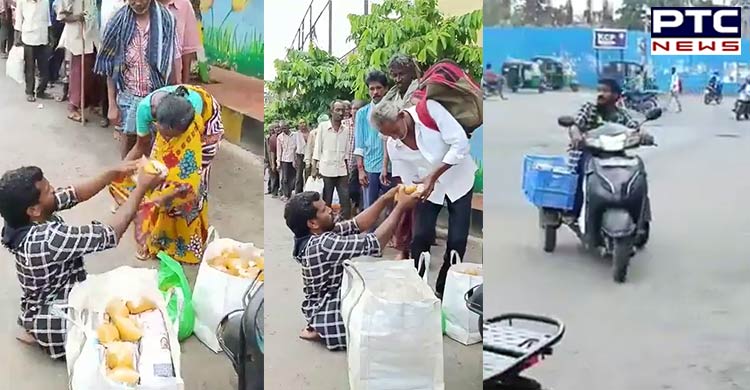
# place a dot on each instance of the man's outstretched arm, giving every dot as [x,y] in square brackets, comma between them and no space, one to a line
[89,188]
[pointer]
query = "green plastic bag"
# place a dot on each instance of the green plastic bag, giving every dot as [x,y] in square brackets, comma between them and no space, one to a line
[172,275]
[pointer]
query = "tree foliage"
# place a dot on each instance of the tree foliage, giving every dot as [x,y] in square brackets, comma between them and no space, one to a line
[633,13]
[307,82]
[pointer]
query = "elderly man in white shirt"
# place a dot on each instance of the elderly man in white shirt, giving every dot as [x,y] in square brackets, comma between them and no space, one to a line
[332,147]
[300,139]
[441,161]
[32,23]
[285,152]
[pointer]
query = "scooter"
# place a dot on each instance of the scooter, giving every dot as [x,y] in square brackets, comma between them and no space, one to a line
[712,94]
[240,335]
[509,349]
[489,90]
[741,109]
[616,214]
[640,101]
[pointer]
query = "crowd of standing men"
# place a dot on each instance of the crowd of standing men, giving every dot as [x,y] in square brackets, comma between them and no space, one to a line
[348,152]
[109,54]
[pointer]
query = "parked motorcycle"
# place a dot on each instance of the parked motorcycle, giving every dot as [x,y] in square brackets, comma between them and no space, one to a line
[509,349]
[711,94]
[640,101]
[240,336]
[741,109]
[616,213]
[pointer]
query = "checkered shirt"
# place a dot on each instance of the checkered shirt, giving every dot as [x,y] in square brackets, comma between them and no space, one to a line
[48,263]
[589,118]
[348,126]
[322,272]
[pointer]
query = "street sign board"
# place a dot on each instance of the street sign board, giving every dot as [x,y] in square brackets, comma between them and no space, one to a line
[610,39]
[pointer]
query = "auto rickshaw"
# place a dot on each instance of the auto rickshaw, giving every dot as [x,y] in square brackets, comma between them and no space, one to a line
[523,75]
[557,74]
[625,71]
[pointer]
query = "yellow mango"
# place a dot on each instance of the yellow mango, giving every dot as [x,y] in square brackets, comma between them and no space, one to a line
[129,330]
[123,375]
[144,304]
[107,333]
[238,264]
[117,308]
[410,189]
[120,355]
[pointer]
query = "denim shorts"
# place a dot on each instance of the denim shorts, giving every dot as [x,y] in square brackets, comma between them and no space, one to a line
[128,104]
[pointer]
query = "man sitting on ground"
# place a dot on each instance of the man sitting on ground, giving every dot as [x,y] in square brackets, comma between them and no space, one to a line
[49,253]
[322,245]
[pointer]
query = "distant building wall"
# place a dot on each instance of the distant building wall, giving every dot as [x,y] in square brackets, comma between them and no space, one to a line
[574,45]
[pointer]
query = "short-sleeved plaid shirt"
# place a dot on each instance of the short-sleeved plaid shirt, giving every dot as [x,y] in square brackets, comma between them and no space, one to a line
[322,260]
[589,117]
[49,261]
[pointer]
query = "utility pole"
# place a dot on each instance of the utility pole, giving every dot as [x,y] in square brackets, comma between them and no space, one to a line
[367,7]
[330,27]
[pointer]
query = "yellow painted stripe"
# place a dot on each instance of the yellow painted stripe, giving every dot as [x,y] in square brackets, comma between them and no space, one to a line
[232,125]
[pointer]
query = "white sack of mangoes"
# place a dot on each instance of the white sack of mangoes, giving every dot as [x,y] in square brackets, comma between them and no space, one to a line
[136,349]
[239,263]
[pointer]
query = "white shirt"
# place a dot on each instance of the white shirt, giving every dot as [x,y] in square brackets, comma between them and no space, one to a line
[300,141]
[71,38]
[449,145]
[675,83]
[331,150]
[32,20]
[109,8]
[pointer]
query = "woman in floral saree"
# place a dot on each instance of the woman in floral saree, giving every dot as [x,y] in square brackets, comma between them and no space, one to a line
[179,126]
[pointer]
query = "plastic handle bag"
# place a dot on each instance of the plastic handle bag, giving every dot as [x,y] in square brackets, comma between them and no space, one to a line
[14,67]
[171,275]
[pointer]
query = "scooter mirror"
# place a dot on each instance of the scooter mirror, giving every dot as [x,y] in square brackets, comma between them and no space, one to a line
[566,121]
[654,113]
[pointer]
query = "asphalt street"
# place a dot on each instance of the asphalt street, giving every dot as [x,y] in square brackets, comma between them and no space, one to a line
[681,320]
[292,363]
[68,152]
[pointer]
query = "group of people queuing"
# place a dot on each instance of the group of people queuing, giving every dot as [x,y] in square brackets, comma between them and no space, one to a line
[135,58]
[362,153]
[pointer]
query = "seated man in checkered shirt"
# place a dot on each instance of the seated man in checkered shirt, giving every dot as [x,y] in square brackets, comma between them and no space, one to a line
[321,245]
[49,253]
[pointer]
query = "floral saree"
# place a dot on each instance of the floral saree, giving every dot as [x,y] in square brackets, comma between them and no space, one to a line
[179,227]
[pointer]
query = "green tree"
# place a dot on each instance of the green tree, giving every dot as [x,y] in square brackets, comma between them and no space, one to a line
[417,29]
[307,82]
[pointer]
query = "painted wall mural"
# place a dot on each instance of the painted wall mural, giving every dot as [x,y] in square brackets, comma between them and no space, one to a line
[233,35]
[574,46]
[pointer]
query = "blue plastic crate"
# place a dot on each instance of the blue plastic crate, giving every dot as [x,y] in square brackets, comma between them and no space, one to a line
[550,181]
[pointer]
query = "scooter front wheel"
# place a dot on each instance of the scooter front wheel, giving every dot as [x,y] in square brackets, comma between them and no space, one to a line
[621,253]
[550,238]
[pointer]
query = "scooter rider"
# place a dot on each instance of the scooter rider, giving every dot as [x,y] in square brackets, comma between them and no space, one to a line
[744,90]
[714,83]
[589,117]
[492,81]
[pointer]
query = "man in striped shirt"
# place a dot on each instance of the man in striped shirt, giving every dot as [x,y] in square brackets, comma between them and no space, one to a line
[368,145]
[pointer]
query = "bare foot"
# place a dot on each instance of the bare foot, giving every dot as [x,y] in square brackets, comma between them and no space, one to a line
[25,337]
[309,334]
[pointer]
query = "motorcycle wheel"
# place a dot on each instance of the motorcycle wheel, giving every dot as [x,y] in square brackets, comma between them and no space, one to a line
[517,383]
[621,253]
[550,238]
[481,326]
[649,105]
[706,99]
[642,239]
[718,100]
[737,113]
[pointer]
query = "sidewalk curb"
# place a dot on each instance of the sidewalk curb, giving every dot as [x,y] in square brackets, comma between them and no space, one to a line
[234,151]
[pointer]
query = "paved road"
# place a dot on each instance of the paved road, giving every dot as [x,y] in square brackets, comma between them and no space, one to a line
[292,363]
[67,152]
[681,321]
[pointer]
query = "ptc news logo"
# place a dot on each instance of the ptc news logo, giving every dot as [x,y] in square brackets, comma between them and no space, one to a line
[696,31]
